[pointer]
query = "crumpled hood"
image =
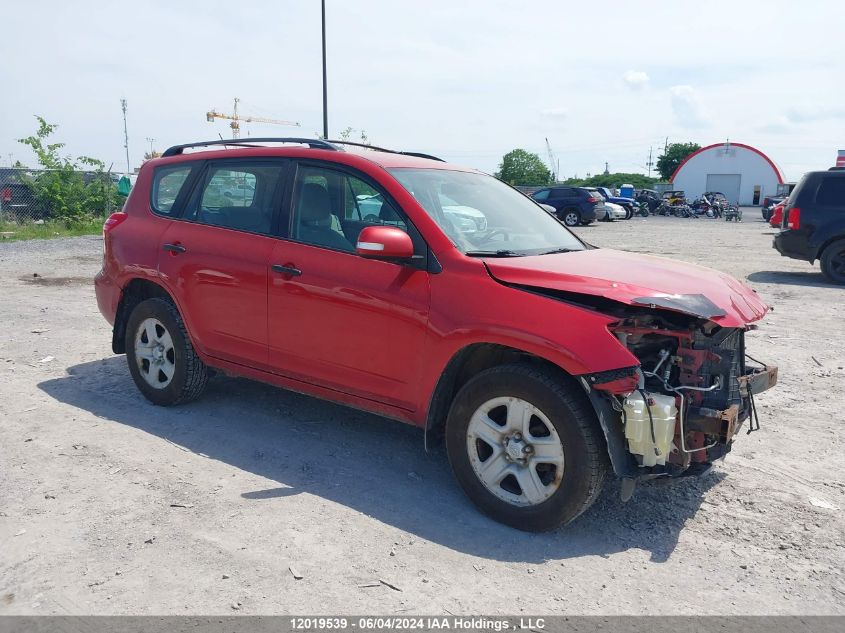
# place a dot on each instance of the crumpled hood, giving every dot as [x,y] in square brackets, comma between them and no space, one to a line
[637,280]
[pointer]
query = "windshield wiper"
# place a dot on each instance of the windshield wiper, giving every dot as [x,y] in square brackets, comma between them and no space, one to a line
[500,253]
[558,250]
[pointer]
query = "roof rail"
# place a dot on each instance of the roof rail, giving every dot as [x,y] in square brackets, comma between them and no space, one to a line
[383,149]
[313,143]
[421,155]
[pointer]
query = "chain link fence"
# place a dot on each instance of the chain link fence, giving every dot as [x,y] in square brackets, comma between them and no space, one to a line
[40,195]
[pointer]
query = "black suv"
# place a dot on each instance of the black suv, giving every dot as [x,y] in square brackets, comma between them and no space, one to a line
[813,225]
[574,205]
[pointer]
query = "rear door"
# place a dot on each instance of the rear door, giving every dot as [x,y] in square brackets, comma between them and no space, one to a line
[338,320]
[215,257]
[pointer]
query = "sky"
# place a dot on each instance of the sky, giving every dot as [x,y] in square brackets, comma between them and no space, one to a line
[464,80]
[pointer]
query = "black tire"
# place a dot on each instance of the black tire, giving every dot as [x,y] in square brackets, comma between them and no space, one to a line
[629,212]
[568,410]
[190,374]
[570,217]
[832,262]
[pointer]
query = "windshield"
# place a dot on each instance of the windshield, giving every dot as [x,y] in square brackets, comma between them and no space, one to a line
[483,216]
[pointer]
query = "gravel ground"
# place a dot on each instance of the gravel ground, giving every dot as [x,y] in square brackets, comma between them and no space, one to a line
[256,500]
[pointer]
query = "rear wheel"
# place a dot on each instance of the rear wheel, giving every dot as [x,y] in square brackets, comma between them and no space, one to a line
[571,217]
[524,446]
[833,262]
[161,358]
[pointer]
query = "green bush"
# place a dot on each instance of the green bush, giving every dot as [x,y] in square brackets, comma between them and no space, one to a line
[67,190]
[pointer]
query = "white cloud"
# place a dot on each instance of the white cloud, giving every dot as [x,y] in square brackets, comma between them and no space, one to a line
[636,79]
[555,113]
[686,106]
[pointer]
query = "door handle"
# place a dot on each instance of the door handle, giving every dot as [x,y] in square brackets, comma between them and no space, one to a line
[174,248]
[287,270]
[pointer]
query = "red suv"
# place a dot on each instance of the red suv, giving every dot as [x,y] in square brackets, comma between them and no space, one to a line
[435,295]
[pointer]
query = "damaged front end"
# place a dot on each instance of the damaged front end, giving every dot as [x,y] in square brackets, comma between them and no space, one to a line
[679,410]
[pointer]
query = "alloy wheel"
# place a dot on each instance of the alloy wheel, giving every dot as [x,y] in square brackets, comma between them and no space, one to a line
[571,219]
[154,353]
[515,451]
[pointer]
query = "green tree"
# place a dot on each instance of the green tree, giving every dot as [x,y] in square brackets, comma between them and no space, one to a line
[68,190]
[674,154]
[519,167]
[638,181]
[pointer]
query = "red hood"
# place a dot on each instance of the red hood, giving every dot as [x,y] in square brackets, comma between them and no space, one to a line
[637,280]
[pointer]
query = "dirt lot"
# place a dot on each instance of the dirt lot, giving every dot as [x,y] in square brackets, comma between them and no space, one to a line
[109,505]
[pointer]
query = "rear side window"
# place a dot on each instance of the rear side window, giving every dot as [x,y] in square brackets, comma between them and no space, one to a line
[167,183]
[239,195]
[831,192]
[541,195]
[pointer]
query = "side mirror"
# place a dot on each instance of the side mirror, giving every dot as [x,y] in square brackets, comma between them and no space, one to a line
[384,242]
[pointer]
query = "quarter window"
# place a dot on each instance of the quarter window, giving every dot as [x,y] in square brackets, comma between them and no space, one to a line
[831,192]
[167,183]
[541,195]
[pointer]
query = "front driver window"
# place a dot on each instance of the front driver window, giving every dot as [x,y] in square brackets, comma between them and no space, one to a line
[331,208]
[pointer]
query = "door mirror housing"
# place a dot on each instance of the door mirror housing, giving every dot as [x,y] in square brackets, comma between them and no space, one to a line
[384,242]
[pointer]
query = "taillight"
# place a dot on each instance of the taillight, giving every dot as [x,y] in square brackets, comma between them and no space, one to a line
[592,199]
[113,220]
[794,221]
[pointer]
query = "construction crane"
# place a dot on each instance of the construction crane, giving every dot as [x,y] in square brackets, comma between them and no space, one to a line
[553,162]
[236,119]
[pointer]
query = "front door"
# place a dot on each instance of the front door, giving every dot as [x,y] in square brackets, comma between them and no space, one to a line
[339,320]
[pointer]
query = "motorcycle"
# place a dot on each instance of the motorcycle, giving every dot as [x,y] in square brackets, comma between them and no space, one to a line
[733,213]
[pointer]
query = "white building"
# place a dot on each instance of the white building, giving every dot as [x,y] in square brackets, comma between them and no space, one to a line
[741,172]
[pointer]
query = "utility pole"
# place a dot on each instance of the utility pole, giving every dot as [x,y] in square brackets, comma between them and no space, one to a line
[649,163]
[125,135]
[666,146]
[151,141]
[325,96]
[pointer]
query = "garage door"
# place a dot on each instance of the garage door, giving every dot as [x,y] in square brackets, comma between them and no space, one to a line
[728,184]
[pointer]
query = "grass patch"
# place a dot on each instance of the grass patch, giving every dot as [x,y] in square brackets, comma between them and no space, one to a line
[12,231]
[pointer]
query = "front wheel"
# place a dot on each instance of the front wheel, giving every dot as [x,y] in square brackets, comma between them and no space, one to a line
[161,358]
[525,447]
[833,262]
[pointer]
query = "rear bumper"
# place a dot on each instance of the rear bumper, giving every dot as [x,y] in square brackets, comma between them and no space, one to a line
[108,296]
[792,244]
[590,215]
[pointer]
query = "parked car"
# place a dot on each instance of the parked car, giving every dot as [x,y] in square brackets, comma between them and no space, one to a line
[239,190]
[574,205]
[769,203]
[541,360]
[674,197]
[777,215]
[813,225]
[629,204]
[613,211]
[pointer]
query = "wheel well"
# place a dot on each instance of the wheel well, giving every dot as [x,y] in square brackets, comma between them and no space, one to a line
[134,292]
[835,238]
[468,362]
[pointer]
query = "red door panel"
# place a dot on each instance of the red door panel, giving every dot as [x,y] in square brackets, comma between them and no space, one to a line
[220,282]
[348,323]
